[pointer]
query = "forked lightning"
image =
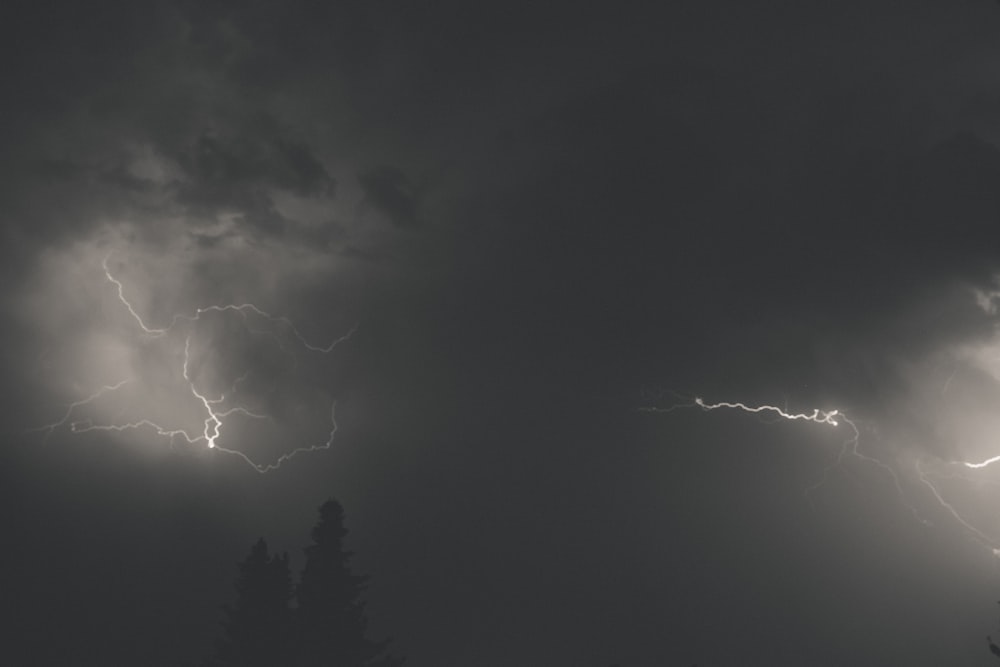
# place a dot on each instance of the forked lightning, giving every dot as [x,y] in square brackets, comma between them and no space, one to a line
[851,447]
[216,410]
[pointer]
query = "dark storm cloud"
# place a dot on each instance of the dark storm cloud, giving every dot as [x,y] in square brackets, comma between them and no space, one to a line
[220,167]
[154,81]
[261,48]
[388,190]
[238,174]
[713,199]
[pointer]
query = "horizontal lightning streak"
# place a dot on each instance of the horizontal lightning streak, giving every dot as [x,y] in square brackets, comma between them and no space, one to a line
[242,308]
[851,445]
[818,416]
[49,428]
[981,464]
[262,468]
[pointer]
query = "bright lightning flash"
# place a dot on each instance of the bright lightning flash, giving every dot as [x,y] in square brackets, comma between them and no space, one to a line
[216,410]
[818,416]
[981,464]
[851,447]
[934,411]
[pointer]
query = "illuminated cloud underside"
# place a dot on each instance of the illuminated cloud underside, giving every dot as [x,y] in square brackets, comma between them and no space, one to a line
[233,398]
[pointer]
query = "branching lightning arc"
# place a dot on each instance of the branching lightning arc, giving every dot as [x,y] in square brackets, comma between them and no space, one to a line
[851,447]
[216,410]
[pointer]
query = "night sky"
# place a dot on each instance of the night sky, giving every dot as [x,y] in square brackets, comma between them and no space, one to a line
[523,225]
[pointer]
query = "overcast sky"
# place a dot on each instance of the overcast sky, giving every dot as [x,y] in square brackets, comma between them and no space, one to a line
[523,222]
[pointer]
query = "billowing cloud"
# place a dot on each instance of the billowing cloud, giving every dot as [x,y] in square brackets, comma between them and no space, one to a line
[528,212]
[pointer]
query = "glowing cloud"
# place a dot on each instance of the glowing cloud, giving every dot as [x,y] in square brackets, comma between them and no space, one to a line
[929,473]
[267,345]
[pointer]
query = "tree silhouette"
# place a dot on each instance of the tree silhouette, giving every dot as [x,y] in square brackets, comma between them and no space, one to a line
[328,625]
[330,617]
[258,627]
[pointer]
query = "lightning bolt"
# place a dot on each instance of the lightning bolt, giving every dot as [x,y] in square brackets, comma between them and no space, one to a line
[818,416]
[241,308]
[215,410]
[48,429]
[981,464]
[851,446]
[943,485]
[925,478]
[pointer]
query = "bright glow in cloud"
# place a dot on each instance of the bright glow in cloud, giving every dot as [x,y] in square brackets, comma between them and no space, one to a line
[937,442]
[230,376]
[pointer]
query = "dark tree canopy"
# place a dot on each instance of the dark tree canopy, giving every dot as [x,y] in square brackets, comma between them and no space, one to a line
[327,625]
[330,617]
[258,627]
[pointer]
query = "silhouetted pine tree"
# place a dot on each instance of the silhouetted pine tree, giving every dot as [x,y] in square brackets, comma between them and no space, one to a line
[330,617]
[258,630]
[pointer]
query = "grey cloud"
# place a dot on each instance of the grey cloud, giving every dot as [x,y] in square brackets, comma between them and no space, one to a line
[119,176]
[234,174]
[112,77]
[713,204]
[387,189]
[257,156]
